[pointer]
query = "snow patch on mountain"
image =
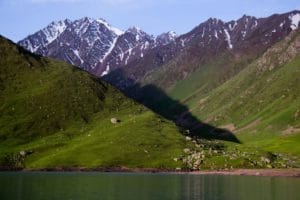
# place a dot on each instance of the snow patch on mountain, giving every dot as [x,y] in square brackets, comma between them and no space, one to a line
[244,34]
[182,42]
[172,34]
[54,30]
[255,24]
[80,26]
[106,71]
[228,39]
[30,47]
[166,38]
[117,31]
[216,34]
[45,36]
[112,46]
[76,52]
[232,27]
[295,19]
[129,54]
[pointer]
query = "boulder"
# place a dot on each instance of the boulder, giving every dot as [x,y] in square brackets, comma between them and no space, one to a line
[114,120]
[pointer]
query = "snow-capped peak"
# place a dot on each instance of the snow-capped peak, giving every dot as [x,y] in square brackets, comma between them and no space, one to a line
[134,29]
[172,34]
[139,34]
[55,29]
[87,19]
[166,38]
[47,35]
[108,26]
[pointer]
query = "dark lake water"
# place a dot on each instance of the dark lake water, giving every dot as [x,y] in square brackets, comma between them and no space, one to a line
[130,186]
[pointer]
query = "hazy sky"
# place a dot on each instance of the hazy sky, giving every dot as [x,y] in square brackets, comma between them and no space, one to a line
[19,18]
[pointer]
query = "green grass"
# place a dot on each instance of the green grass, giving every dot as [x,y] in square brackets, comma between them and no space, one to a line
[60,116]
[129,143]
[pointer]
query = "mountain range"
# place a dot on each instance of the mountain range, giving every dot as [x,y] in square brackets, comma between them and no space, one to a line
[99,48]
[94,45]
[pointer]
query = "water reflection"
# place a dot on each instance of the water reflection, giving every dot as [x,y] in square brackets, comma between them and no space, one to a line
[33,186]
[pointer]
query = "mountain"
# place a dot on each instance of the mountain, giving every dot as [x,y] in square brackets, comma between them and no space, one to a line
[84,42]
[93,45]
[54,115]
[129,46]
[99,48]
[226,46]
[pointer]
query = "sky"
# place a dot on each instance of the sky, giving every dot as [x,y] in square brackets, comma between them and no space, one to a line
[19,18]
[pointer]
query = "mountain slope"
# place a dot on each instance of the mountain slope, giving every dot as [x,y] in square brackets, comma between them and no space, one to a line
[261,104]
[55,115]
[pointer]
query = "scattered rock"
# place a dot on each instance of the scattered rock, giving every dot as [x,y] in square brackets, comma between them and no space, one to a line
[23,153]
[114,120]
[186,150]
[290,130]
[188,138]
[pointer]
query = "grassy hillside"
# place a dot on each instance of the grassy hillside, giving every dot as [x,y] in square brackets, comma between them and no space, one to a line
[55,115]
[261,104]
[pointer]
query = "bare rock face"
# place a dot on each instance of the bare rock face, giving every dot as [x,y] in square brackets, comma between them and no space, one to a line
[129,46]
[287,50]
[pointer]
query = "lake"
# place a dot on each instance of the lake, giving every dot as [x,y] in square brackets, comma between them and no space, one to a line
[131,186]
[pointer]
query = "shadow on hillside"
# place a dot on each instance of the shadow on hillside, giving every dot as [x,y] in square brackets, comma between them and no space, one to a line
[158,101]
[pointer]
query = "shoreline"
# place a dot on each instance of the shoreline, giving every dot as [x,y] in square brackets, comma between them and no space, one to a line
[293,172]
[254,172]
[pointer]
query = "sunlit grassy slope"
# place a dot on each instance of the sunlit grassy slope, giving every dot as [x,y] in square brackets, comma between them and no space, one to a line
[60,116]
[261,104]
